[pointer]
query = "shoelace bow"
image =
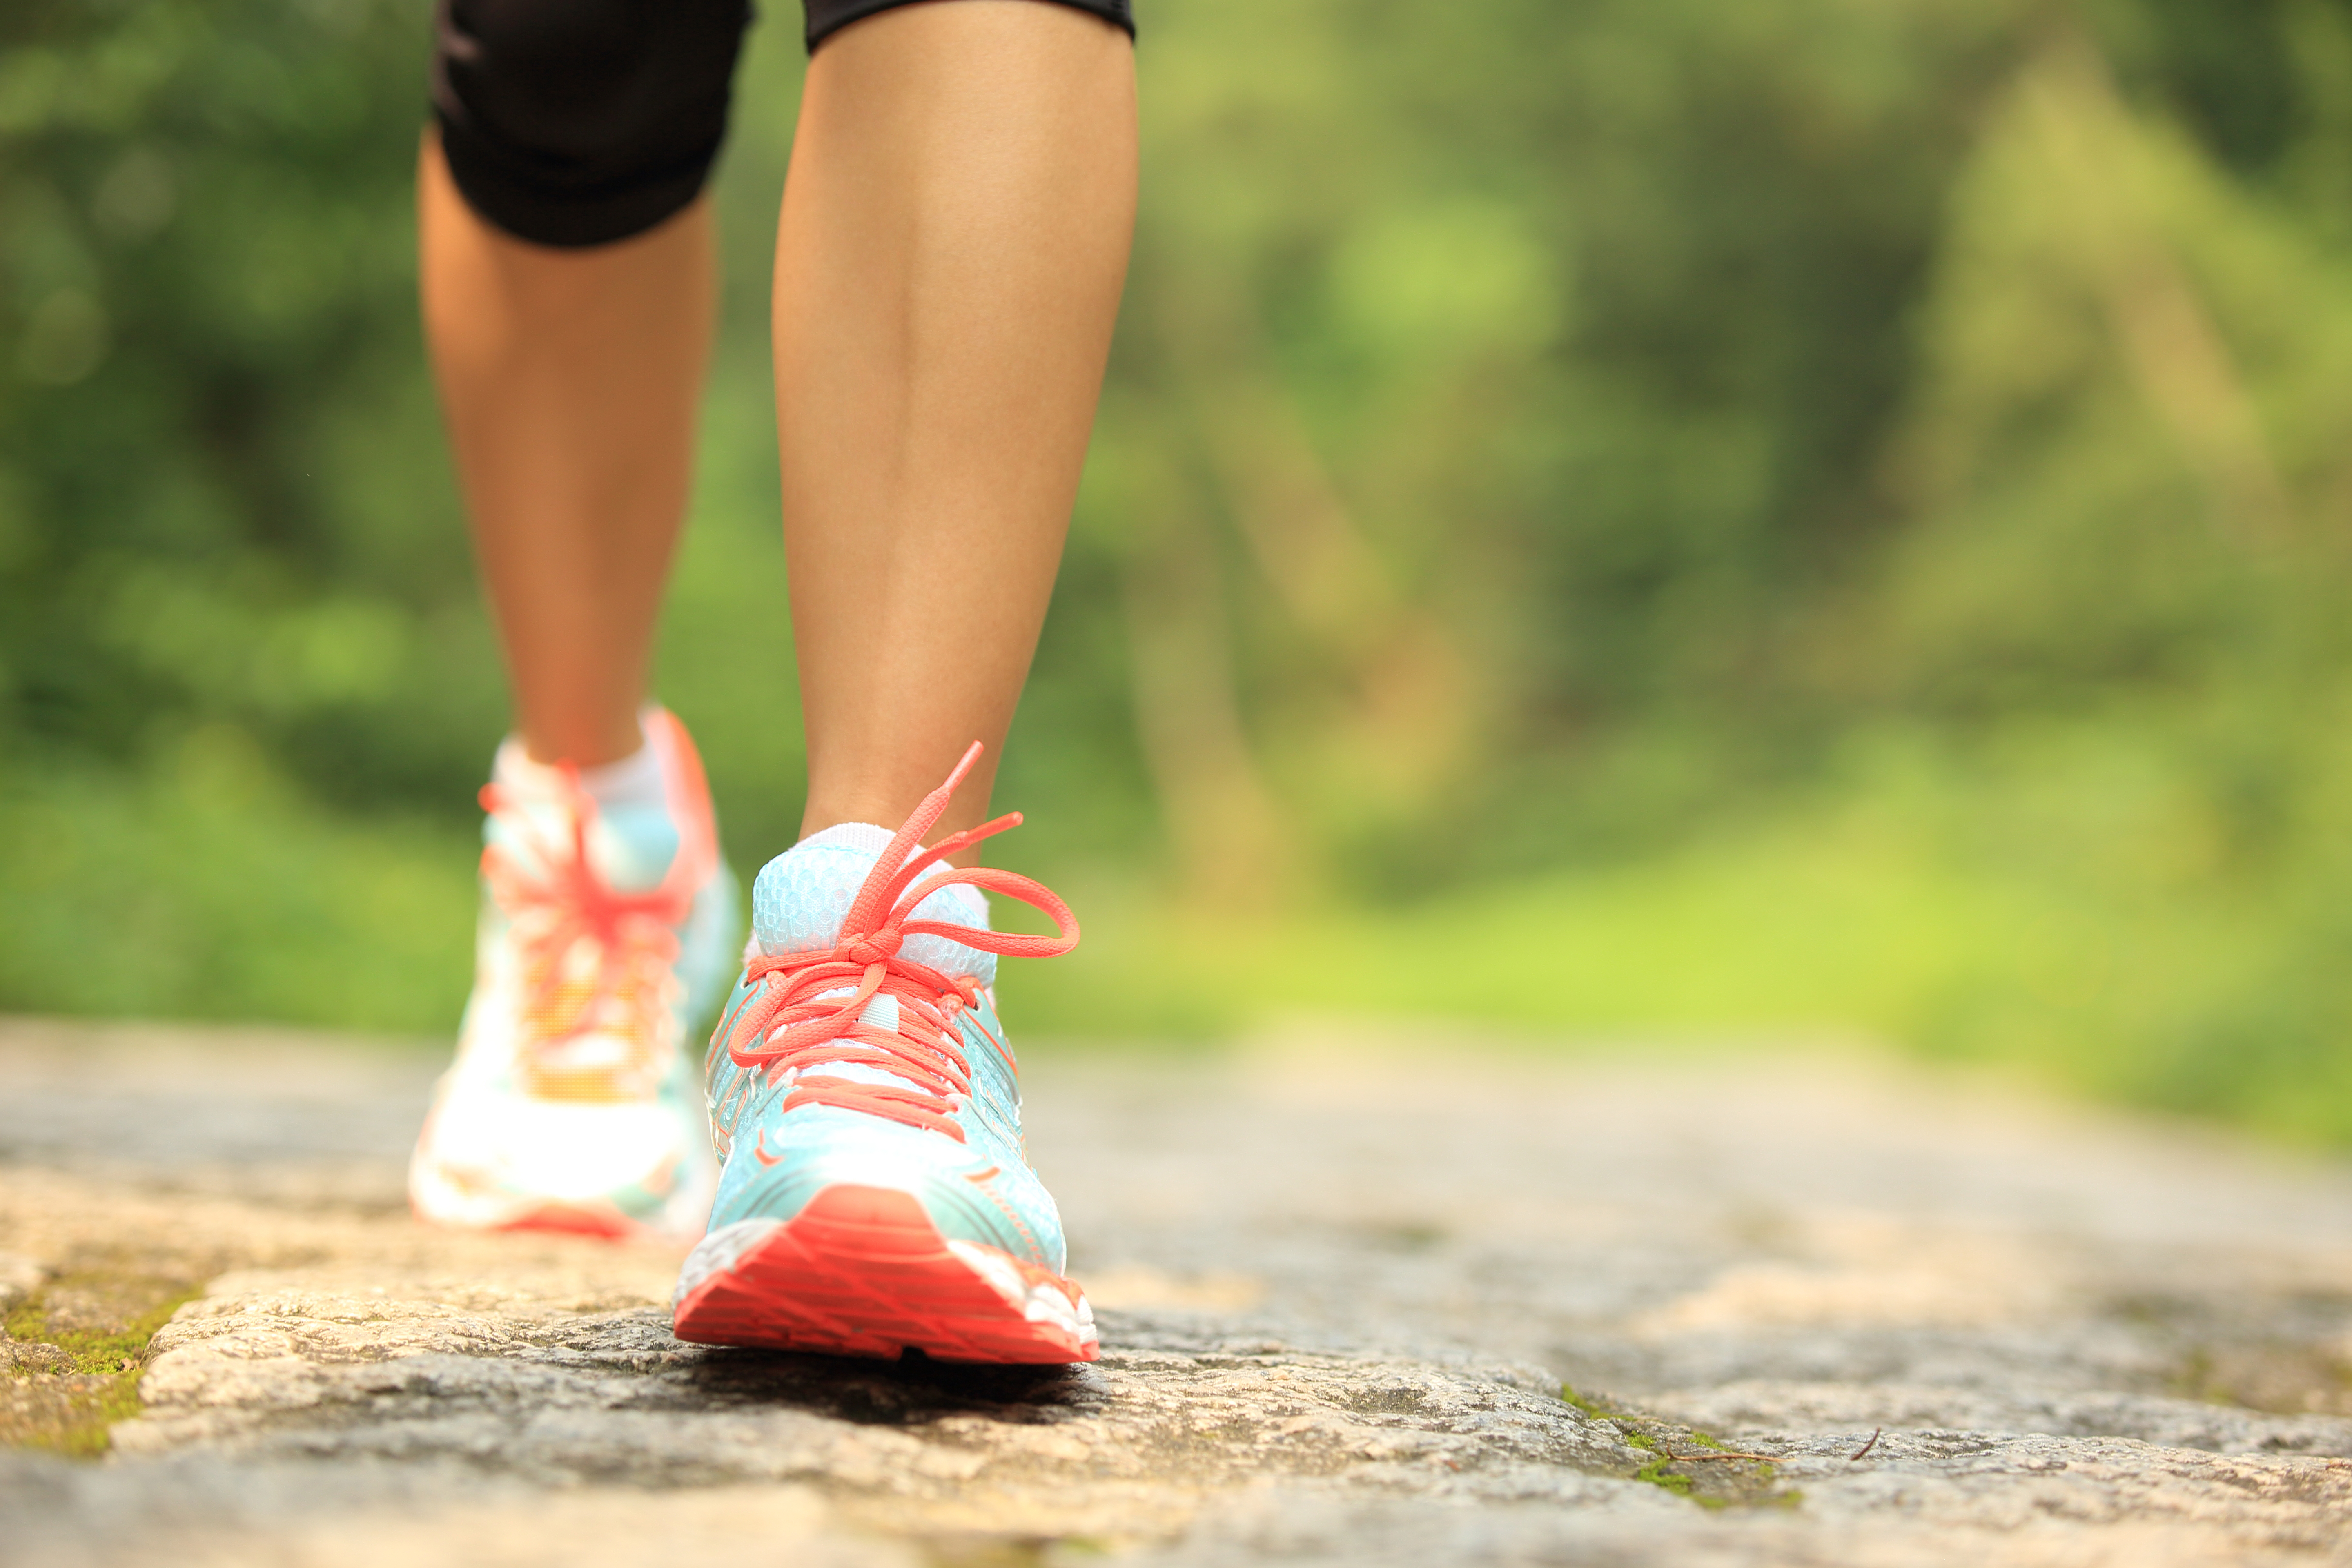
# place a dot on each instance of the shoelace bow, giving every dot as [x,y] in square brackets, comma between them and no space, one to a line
[791,1027]
[592,954]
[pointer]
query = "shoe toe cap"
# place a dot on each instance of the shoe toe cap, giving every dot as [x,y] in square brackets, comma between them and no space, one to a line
[968,1195]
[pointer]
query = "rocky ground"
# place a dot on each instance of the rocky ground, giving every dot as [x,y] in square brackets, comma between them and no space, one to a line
[1361,1304]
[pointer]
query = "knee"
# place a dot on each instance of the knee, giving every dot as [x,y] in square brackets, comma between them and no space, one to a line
[826,17]
[575,122]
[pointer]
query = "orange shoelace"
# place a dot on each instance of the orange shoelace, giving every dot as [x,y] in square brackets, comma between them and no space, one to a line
[594,957]
[791,1027]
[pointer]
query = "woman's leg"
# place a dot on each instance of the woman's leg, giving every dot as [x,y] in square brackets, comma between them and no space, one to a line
[954,236]
[570,380]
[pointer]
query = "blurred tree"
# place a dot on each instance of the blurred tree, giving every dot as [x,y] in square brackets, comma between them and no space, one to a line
[1539,436]
[220,487]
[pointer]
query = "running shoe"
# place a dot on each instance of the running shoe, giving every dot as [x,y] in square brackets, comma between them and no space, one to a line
[604,935]
[874,1196]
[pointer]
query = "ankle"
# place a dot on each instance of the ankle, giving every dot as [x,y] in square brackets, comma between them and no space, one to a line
[587,743]
[846,823]
[632,779]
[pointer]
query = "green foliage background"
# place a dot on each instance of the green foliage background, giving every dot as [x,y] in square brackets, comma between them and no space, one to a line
[1625,518]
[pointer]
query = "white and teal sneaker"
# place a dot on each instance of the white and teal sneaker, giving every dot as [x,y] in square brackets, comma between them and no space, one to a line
[875,1198]
[606,935]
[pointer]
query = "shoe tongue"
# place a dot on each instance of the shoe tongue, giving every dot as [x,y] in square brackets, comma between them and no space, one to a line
[630,847]
[631,838]
[802,896]
[881,1013]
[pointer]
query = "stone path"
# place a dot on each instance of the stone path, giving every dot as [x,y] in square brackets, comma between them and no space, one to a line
[1340,1293]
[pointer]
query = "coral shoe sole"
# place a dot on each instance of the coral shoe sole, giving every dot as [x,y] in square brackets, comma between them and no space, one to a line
[862,1271]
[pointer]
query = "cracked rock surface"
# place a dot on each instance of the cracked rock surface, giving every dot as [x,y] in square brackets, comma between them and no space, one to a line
[1809,1311]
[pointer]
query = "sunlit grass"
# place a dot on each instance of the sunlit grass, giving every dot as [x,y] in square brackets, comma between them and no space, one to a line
[2062,910]
[211,891]
[2060,915]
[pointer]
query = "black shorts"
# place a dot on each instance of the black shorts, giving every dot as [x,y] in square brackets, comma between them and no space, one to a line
[578,123]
